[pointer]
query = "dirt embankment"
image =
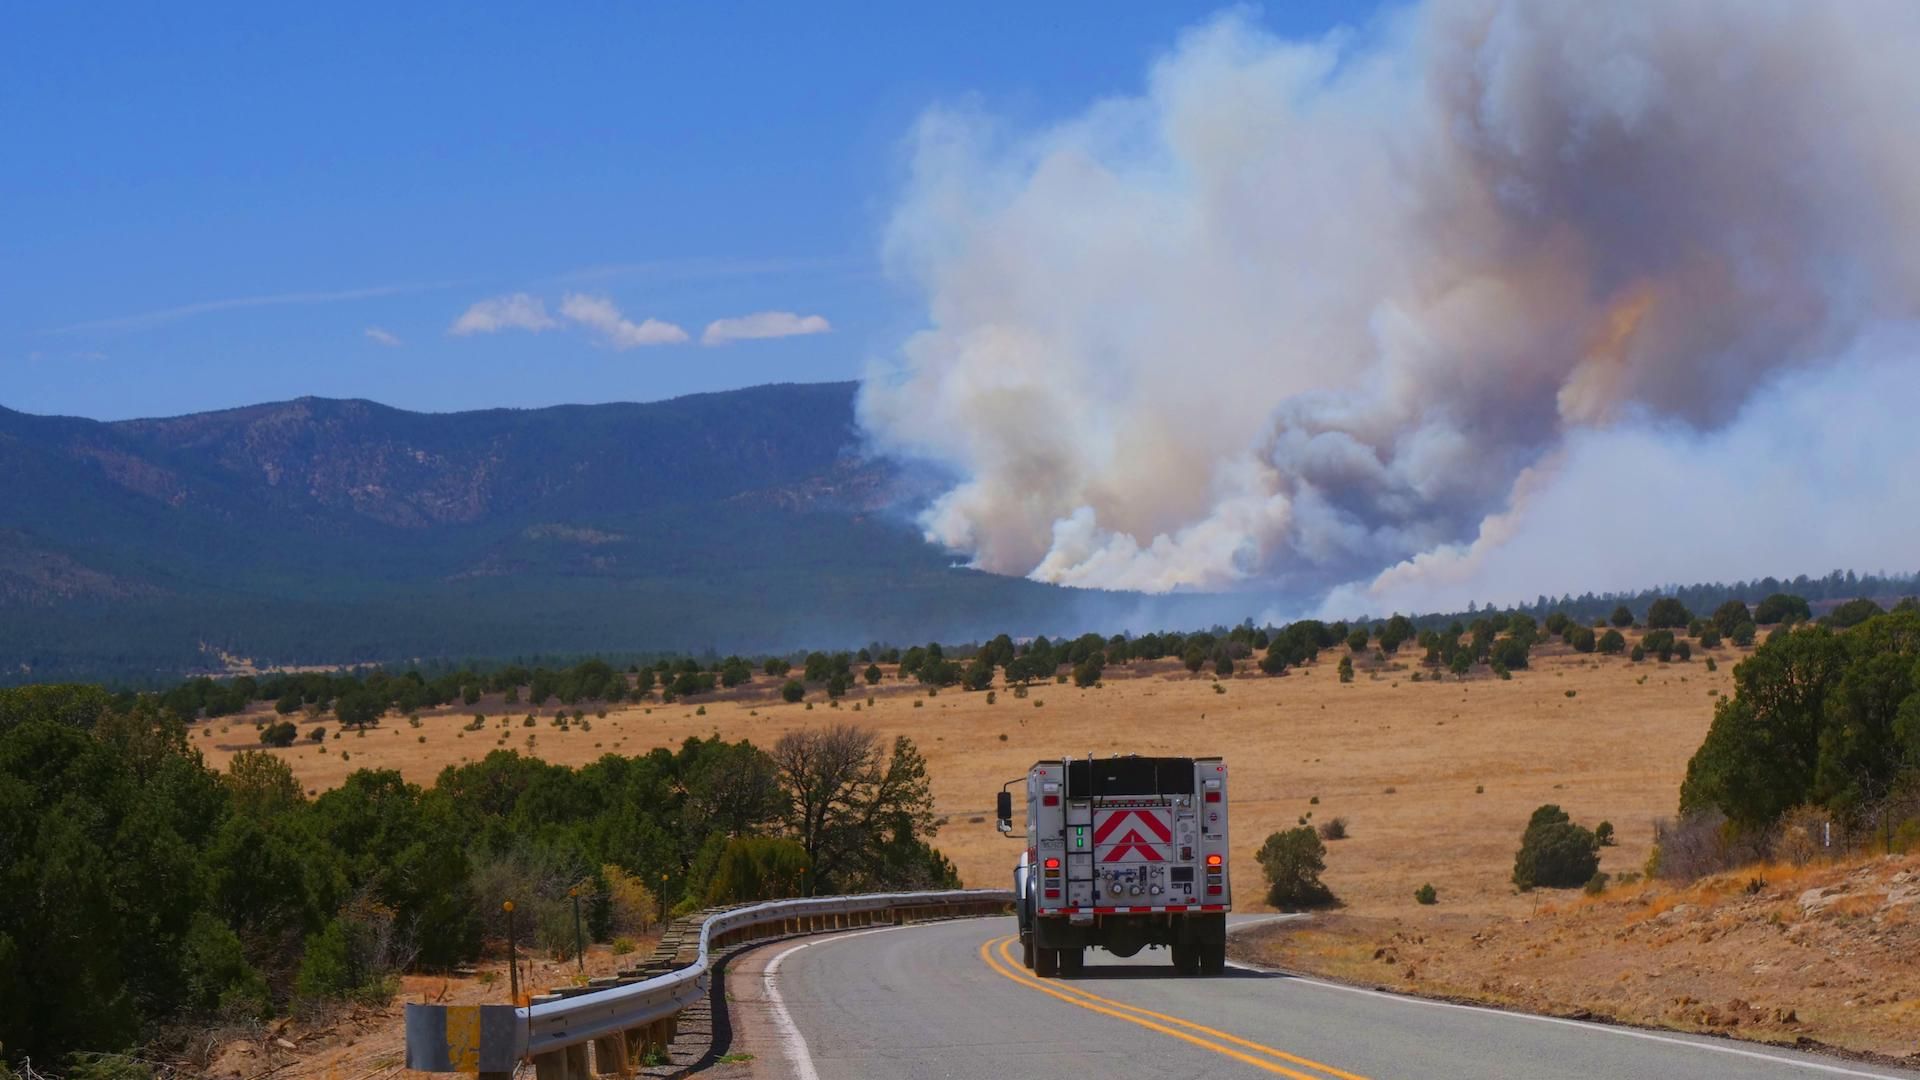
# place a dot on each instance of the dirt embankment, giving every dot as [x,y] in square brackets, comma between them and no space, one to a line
[1825,954]
[368,1042]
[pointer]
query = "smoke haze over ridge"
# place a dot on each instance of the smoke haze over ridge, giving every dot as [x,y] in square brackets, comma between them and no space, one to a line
[1312,316]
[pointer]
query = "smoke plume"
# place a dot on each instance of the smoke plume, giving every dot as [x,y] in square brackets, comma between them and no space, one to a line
[1301,312]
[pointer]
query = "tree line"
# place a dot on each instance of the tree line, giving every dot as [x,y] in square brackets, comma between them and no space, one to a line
[144,895]
[1500,641]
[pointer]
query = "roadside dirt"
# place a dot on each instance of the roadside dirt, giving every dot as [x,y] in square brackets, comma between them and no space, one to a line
[369,1043]
[1824,954]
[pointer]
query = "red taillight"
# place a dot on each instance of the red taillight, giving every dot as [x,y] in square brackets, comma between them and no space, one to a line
[1053,864]
[1213,796]
[1213,890]
[1213,860]
[1049,800]
[1054,894]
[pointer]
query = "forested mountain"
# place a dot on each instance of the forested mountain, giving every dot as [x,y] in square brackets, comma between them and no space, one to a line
[320,531]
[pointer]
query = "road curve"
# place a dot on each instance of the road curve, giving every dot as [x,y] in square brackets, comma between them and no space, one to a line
[950,1001]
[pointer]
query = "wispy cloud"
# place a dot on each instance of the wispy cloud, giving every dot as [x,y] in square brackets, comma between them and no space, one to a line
[384,337]
[518,311]
[763,324]
[148,319]
[599,314]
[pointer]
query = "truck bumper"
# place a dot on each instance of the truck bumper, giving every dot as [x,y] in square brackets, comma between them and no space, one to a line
[1127,934]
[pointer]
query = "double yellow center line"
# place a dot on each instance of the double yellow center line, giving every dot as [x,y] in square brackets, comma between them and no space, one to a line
[1185,1030]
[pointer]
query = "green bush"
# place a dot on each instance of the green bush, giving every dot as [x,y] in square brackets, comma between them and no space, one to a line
[280,734]
[1782,608]
[793,691]
[1346,669]
[1668,613]
[1293,861]
[1554,852]
[1426,894]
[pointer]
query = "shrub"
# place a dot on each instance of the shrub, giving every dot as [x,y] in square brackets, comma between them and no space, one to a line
[1611,643]
[793,691]
[1511,654]
[1621,618]
[1742,635]
[1582,639]
[1731,614]
[1293,861]
[1554,852]
[992,696]
[1682,651]
[1333,829]
[356,957]
[1426,894]
[1603,834]
[1782,607]
[1660,643]
[1668,613]
[1638,654]
[1596,884]
[1853,613]
[1346,669]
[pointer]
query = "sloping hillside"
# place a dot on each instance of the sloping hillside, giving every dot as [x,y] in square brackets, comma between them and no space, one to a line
[318,531]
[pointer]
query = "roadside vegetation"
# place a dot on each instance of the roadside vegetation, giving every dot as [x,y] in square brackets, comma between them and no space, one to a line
[146,896]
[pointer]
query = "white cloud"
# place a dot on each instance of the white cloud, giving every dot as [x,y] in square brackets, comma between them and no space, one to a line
[520,311]
[763,324]
[598,313]
[383,336]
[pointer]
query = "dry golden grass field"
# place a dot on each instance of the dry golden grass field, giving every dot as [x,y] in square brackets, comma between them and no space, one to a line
[1435,778]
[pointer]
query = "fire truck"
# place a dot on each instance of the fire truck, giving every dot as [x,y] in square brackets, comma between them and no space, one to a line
[1123,854]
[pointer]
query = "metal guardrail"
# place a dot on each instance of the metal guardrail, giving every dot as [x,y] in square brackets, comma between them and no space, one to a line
[626,1018]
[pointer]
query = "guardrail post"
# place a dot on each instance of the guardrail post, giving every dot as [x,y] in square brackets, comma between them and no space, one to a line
[610,1055]
[550,1066]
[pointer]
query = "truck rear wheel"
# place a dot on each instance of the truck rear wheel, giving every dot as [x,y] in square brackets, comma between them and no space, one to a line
[1026,951]
[1073,961]
[1213,958]
[1186,959]
[1046,962]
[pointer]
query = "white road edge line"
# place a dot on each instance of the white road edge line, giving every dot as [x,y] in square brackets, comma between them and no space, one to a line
[792,1043]
[1603,1029]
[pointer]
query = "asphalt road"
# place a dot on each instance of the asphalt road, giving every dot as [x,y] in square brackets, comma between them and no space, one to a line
[950,1001]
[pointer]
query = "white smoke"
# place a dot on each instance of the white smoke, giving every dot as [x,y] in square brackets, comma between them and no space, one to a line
[1303,311]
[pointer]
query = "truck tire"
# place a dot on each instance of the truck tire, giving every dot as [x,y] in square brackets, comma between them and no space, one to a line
[1073,961]
[1026,951]
[1213,958]
[1046,962]
[1186,959]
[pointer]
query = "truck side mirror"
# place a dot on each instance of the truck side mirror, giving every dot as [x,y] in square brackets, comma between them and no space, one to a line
[1003,809]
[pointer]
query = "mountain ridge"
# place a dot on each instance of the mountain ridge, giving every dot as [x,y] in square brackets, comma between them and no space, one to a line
[319,530]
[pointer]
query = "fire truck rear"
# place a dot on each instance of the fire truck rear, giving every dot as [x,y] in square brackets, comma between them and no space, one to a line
[1123,853]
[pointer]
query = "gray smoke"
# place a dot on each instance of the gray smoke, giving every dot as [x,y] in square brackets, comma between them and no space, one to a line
[1302,312]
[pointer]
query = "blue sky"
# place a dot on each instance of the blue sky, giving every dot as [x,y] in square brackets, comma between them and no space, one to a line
[213,205]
